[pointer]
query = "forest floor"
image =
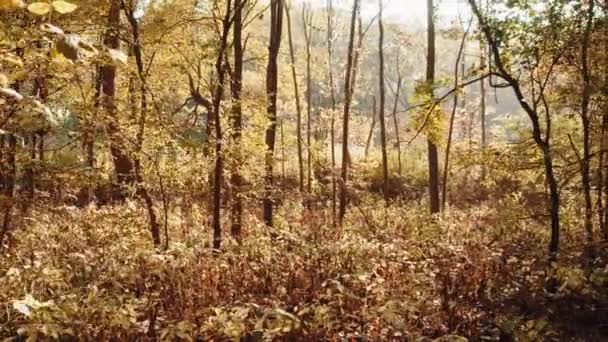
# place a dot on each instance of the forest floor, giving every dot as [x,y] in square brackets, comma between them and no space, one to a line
[387,274]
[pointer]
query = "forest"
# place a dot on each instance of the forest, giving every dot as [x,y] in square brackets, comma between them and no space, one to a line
[304,170]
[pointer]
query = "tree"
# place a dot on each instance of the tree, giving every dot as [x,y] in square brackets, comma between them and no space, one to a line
[345,119]
[382,102]
[430,79]
[368,141]
[137,167]
[333,107]
[530,106]
[123,165]
[220,69]
[276,23]
[586,121]
[236,86]
[394,114]
[307,22]
[298,105]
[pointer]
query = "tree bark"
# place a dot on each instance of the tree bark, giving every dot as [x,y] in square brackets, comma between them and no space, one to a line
[307,22]
[430,78]
[347,99]
[220,69]
[276,23]
[142,191]
[382,103]
[585,99]
[8,175]
[396,121]
[482,107]
[123,165]
[333,109]
[371,129]
[236,86]
[298,105]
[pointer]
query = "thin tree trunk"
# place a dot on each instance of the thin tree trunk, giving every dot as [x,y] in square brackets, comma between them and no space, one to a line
[8,175]
[236,86]
[142,191]
[430,78]
[333,110]
[382,103]
[585,98]
[347,100]
[298,105]
[358,50]
[446,162]
[371,129]
[482,107]
[307,22]
[396,121]
[602,175]
[276,23]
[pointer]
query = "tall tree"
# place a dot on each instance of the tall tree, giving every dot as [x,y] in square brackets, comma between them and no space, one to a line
[543,141]
[382,102]
[298,105]
[430,79]
[276,24]
[123,164]
[482,104]
[142,191]
[586,121]
[220,69]
[330,39]
[236,86]
[347,99]
[307,22]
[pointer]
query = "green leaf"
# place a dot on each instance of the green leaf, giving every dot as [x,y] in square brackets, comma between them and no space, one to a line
[63,7]
[39,8]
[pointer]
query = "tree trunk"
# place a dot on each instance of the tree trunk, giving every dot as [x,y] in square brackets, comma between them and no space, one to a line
[430,79]
[382,103]
[123,165]
[8,175]
[276,23]
[307,22]
[543,144]
[396,121]
[298,105]
[142,191]
[347,99]
[371,129]
[585,99]
[602,190]
[333,109]
[482,107]
[236,86]
[220,69]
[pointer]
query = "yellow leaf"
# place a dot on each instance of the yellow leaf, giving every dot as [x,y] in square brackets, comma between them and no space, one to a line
[11,4]
[39,8]
[63,7]
[12,60]
[3,80]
